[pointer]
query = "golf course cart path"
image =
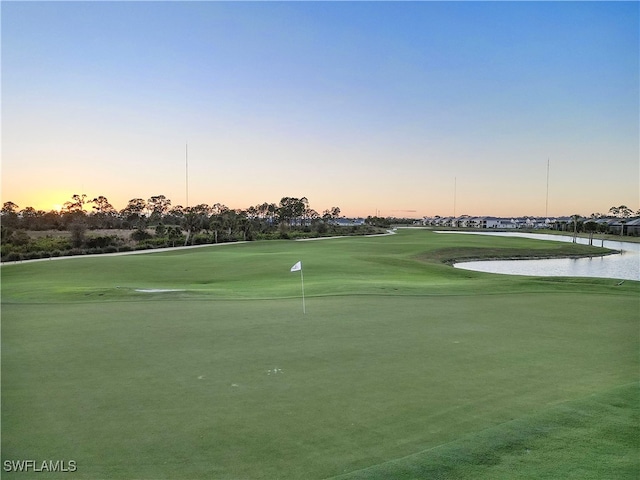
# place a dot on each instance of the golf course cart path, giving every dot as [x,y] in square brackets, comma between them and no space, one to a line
[172,249]
[389,232]
[134,252]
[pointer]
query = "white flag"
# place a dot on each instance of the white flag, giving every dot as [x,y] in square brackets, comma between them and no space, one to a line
[297,267]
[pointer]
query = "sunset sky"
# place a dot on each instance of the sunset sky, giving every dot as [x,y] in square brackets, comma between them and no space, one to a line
[369,106]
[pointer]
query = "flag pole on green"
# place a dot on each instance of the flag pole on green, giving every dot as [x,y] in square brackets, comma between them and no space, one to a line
[298,268]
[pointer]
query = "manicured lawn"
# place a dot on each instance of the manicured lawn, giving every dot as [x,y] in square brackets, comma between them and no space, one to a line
[402,367]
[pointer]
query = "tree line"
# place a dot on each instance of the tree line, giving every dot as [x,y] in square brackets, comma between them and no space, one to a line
[155,222]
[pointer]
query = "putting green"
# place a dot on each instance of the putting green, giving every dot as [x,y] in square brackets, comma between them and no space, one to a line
[400,362]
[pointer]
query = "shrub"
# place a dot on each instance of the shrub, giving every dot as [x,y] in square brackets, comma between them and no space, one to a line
[139,235]
[160,230]
[201,239]
[48,244]
[102,241]
[267,236]
[152,243]
[6,250]
[78,230]
[12,257]
[19,237]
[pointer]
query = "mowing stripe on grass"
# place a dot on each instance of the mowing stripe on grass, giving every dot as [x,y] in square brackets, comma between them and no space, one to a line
[523,448]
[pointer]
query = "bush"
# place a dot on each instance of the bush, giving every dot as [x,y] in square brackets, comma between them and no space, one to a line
[201,239]
[321,228]
[6,250]
[102,241]
[13,257]
[267,236]
[48,244]
[140,235]
[110,249]
[19,237]
[78,230]
[154,243]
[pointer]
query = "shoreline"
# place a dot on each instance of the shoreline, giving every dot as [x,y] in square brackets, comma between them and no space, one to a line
[528,257]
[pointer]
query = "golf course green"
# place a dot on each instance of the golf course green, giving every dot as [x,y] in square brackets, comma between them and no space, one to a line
[200,364]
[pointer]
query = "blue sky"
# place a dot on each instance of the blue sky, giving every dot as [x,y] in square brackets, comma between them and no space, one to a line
[369,106]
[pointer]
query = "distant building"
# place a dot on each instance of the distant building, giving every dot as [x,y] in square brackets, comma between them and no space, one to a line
[348,222]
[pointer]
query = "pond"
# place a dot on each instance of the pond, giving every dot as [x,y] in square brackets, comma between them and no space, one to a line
[623,266]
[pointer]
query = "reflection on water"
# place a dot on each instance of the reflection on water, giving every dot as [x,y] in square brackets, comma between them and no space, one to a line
[625,265]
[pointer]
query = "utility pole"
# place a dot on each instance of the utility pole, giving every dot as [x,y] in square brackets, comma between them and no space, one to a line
[186,171]
[455,186]
[546,206]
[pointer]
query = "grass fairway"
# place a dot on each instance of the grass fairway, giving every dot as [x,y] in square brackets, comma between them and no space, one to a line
[402,367]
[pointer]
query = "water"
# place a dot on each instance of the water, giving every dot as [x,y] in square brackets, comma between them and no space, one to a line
[623,266]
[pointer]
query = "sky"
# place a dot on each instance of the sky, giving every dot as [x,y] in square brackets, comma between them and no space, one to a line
[404,109]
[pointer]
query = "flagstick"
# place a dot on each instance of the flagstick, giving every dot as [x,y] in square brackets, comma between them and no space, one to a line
[304,310]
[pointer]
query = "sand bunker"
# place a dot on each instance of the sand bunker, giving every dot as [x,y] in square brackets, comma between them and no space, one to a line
[158,290]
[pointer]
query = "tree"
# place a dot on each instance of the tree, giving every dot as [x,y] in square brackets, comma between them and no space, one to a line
[174,216]
[133,212]
[102,206]
[76,205]
[29,217]
[216,221]
[230,222]
[174,233]
[245,224]
[590,227]
[624,211]
[621,212]
[311,215]
[8,207]
[158,205]
[104,216]
[603,228]
[332,214]
[574,219]
[78,229]
[194,220]
[9,214]
[291,210]
[160,230]
[285,210]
